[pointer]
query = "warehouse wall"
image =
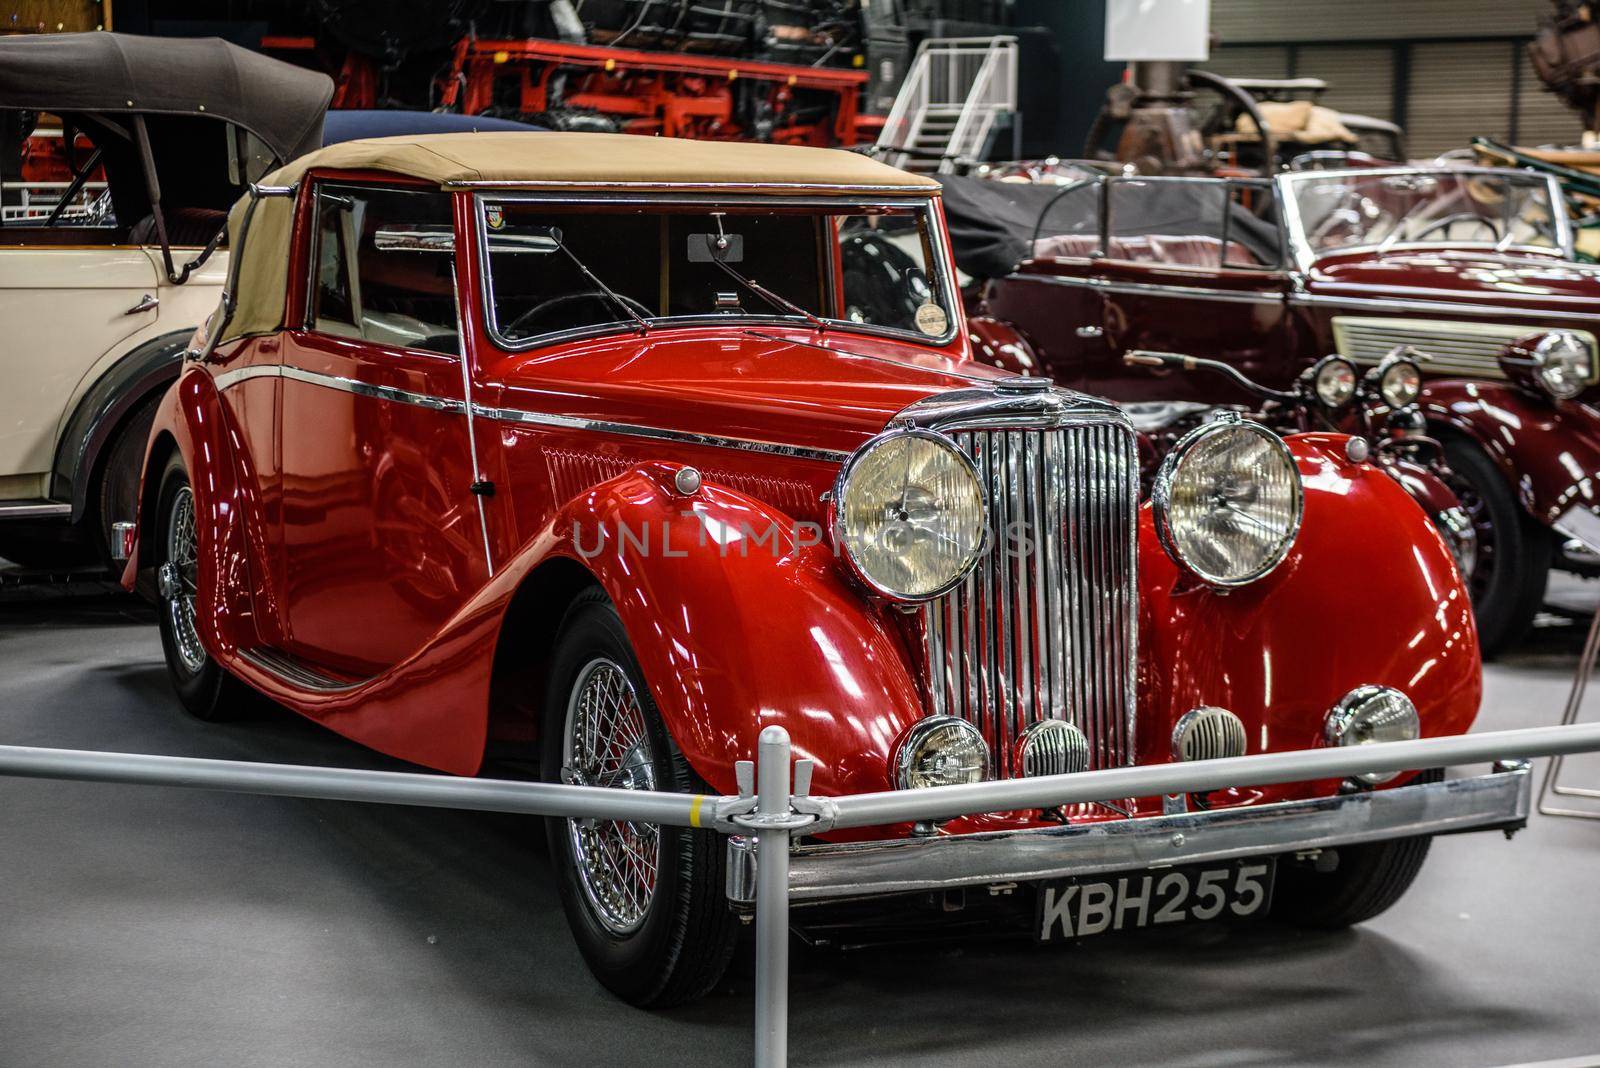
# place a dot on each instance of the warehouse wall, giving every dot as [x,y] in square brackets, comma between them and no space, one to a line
[1447,70]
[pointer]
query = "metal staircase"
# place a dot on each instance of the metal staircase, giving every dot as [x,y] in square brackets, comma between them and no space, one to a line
[959,93]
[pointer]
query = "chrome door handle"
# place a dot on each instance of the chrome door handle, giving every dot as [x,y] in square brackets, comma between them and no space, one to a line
[146,303]
[1090,331]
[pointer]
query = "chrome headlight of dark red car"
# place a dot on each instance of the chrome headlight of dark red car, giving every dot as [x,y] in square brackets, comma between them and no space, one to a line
[1560,363]
[1227,502]
[909,514]
[1564,364]
[1399,379]
[1333,379]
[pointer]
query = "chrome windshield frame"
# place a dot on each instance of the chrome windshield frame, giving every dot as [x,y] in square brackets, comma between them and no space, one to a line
[923,205]
[1305,256]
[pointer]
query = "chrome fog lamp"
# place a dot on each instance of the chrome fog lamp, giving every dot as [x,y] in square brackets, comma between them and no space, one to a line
[1563,364]
[1334,380]
[941,751]
[1373,714]
[909,514]
[1399,381]
[1227,502]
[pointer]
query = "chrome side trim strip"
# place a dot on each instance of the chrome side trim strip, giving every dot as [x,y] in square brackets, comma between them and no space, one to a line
[1144,288]
[348,385]
[34,510]
[292,672]
[527,418]
[367,389]
[681,437]
[839,870]
[225,380]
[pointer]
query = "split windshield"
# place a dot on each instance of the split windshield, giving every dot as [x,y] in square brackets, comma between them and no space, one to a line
[558,269]
[1386,209]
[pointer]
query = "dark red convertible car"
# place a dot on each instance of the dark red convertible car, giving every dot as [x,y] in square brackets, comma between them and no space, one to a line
[609,452]
[1471,270]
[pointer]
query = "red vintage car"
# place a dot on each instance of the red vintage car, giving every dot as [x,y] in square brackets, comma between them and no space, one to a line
[1470,269]
[608,452]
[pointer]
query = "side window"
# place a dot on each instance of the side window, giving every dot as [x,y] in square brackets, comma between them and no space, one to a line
[44,162]
[387,292]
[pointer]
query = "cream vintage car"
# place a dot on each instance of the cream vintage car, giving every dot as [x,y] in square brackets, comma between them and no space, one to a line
[103,282]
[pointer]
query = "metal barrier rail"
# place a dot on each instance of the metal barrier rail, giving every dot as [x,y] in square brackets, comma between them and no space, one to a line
[778,806]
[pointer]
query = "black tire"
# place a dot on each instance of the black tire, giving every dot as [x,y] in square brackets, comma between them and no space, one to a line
[1513,566]
[1367,881]
[205,690]
[116,488]
[683,937]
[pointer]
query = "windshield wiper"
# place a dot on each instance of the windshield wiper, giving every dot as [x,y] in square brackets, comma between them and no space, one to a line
[770,297]
[644,325]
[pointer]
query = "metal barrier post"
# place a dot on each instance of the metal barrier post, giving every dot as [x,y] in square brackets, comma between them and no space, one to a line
[772,901]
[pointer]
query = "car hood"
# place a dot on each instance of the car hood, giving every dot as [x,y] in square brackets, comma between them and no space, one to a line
[762,384]
[1542,283]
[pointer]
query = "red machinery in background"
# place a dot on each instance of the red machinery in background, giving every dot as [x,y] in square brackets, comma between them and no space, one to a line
[596,87]
[669,93]
[812,72]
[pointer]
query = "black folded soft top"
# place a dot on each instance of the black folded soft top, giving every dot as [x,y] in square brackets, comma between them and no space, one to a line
[115,73]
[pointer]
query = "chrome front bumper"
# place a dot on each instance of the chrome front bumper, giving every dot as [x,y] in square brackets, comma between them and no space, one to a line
[829,871]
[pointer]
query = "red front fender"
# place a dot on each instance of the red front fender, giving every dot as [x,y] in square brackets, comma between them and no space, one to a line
[1549,451]
[740,619]
[1368,594]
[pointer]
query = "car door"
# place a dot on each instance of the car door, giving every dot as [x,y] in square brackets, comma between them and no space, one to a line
[1188,267]
[64,303]
[382,537]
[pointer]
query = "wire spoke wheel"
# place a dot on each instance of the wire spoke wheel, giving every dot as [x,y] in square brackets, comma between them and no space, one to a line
[607,744]
[179,579]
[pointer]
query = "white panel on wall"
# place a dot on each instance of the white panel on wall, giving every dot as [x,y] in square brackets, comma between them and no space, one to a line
[1158,29]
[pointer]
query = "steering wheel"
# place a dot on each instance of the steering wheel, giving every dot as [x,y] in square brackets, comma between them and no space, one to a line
[1446,222]
[523,325]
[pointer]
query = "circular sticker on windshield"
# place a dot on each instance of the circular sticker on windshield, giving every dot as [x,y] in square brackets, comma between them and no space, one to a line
[931,319]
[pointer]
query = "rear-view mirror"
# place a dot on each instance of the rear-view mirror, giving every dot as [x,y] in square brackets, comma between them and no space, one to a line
[704,248]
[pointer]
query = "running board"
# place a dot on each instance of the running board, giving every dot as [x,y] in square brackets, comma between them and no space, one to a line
[35,509]
[297,673]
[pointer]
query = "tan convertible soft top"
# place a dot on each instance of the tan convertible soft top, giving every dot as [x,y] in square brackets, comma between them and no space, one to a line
[545,161]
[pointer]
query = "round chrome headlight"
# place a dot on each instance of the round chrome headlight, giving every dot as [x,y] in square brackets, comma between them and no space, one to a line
[1399,381]
[909,514]
[941,751]
[1334,380]
[1227,502]
[1564,364]
[1373,714]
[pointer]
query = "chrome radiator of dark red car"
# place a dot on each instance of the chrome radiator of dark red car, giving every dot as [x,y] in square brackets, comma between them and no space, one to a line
[1045,627]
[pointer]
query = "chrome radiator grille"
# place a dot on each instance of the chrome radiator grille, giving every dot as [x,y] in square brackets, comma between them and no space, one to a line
[1045,627]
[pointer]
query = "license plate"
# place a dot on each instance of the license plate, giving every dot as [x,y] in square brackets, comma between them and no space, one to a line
[1092,905]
